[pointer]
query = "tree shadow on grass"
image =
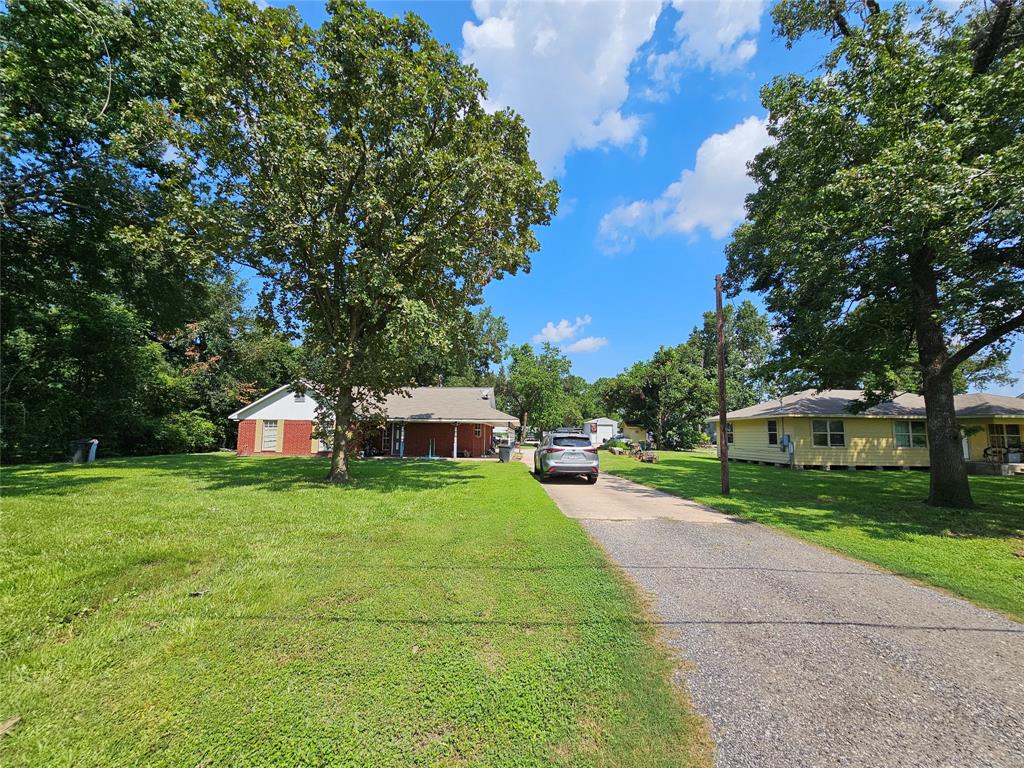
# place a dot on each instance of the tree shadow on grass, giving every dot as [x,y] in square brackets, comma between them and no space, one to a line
[221,472]
[885,505]
[49,480]
[291,473]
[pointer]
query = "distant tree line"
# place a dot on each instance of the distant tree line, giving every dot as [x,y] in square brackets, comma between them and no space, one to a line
[675,393]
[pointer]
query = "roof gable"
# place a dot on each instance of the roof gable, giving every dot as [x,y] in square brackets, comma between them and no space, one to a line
[279,403]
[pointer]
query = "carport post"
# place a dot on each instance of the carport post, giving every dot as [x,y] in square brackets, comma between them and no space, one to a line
[455,442]
[723,438]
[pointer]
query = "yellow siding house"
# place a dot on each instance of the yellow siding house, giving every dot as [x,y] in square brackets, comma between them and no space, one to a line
[817,430]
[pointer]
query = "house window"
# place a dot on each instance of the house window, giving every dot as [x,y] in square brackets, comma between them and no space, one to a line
[269,435]
[478,430]
[300,397]
[1004,435]
[828,434]
[728,432]
[773,432]
[911,434]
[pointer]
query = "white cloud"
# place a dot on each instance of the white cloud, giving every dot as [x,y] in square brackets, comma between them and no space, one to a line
[586,344]
[721,35]
[710,195]
[566,331]
[717,34]
[563,330]
[563,66]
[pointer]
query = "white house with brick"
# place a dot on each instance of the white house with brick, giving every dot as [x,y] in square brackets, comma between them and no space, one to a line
[421,421]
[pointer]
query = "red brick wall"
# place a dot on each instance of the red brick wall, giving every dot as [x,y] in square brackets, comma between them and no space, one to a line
[296,438]
[246,437]
[476,446]
[417,439]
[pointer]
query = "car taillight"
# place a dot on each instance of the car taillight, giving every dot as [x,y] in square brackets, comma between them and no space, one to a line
[590,450]
[555,449]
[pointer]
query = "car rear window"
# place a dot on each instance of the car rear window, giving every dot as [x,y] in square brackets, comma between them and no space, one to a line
[577,441]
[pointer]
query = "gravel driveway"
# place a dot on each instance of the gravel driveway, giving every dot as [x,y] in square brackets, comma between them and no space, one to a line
[801,657]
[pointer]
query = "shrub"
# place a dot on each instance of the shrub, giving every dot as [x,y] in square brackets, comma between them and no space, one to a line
[186,432]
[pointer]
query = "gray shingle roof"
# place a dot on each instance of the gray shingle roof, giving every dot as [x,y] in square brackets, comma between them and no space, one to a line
[836,402]
[471,404]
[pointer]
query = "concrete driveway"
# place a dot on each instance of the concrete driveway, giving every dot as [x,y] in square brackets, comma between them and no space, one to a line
[801,657]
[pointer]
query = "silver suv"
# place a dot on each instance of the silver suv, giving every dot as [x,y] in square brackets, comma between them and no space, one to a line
[566,453]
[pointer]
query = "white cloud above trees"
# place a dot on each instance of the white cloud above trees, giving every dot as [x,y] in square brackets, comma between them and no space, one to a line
[708,196]
[564,333]
[586,344]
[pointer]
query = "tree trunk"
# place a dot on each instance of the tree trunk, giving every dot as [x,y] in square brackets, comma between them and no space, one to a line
[948,486]
[339,450]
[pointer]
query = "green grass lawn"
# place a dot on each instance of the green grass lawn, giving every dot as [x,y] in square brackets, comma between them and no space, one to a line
[876,516]
[209,610]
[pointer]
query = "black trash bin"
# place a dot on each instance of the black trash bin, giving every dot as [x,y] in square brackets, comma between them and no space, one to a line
[83,451]
[504,453]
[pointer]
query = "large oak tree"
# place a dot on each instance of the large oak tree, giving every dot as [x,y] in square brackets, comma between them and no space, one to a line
[354,168]
[889,209]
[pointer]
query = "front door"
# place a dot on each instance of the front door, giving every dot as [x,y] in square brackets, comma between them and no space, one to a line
[397,436]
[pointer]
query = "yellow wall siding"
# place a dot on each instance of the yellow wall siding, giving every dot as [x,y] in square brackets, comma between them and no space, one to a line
[750,442]
[636,434]
[869,442]
[978,442]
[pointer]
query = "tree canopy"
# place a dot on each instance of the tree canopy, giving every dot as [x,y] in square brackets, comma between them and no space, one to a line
[889,207]
[538,389]
[674,394]
[115,323]
[748,348]
[480,344]
[354,167]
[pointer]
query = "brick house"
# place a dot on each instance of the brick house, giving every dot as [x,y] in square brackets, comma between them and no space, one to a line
[422,421]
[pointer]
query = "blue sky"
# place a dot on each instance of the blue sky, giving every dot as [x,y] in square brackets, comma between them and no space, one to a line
[646,113]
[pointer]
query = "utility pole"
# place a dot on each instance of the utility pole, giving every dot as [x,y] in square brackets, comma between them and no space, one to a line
[723,440]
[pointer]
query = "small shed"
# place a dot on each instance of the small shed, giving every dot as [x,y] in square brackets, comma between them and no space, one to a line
[601,429]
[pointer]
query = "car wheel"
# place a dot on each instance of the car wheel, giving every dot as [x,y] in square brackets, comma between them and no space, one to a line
[591,479]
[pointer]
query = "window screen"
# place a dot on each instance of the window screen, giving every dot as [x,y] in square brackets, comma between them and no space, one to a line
[828,434]
[911,434]
[773,432]
[269,435]
[1004,435]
